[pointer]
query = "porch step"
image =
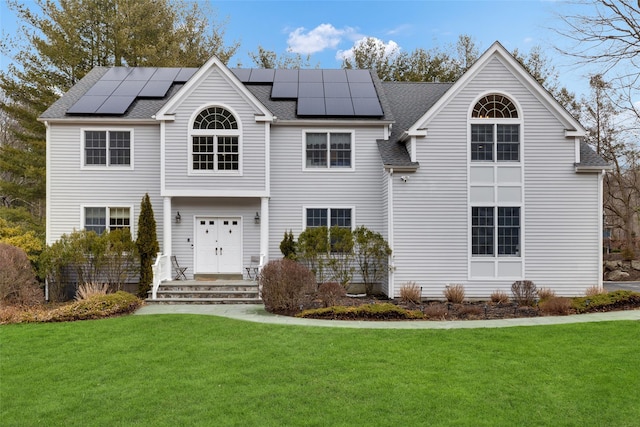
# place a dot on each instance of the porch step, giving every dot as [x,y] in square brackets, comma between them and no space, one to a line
[209,277]
[206,292]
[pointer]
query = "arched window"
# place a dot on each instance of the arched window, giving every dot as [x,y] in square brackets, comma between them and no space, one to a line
[495,107]
[215,141]
[495,130]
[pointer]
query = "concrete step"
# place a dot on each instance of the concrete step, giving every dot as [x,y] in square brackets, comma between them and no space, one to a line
[207,292]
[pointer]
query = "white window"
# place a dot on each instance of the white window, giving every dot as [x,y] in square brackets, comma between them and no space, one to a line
[328,150]
[107,148]
[489,237]
[215,141]
[100,219]
[495,130]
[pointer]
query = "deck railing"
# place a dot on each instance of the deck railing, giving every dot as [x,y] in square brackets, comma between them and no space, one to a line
[161,272]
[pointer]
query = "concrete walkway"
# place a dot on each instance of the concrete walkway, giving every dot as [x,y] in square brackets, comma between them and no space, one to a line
[257,313]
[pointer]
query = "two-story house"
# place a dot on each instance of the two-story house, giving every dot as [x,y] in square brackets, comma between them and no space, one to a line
[480,182]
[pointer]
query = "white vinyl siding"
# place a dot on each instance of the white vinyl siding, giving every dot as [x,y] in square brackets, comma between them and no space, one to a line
[72,187]
[180,178]
[559,210]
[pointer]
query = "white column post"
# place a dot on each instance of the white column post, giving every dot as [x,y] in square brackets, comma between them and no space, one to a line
[264,230]
[166,226]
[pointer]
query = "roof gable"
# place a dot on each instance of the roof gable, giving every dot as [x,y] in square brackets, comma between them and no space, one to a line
[166,112]
[497,51]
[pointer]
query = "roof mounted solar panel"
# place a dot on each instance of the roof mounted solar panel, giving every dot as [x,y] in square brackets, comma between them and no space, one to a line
[129,88]
[164,74]
[284,90]
[184,75]
[336,90]
[242,74]
[334,76]
[311,107]
[155,89]
[103,87]
[262,75]
[286,75]
[116,73]
[116,105]
[359,76]
[339,107]
[310,76]
[141,73]
[362,90]
[87,104]
[310,90]
[367,107]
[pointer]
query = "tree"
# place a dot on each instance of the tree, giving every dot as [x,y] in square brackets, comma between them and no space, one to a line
[264,58]
[607,134]
[60,42]
[147,244]
[372,254]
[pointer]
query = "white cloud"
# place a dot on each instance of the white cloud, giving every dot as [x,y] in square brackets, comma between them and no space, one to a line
[324,36]
[389,48]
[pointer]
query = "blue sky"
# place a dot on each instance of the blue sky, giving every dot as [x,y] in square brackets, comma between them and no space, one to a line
[326,29]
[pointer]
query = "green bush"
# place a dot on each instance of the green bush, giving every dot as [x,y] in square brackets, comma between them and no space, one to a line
[284,284]
[288,246]
[606,302]
[372,254]
[384,311]
[147,245]
[313,250]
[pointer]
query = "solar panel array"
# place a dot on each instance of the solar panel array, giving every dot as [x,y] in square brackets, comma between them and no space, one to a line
[334,93]
[119,87]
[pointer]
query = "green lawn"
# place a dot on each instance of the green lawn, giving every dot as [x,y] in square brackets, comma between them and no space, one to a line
[179,370]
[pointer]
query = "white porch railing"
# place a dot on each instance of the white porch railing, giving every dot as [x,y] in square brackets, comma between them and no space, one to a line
[161,272]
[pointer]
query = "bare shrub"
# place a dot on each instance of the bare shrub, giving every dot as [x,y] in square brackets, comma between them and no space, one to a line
[556,305]
[284,284]
[410,293]
[436,311]
[454,293]
[499,297]
[546,293]
[18,284]
[87,290]
[593,291]
[470,311]
[330,293]
[524,292]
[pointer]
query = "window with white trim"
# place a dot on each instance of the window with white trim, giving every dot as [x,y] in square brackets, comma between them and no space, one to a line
[494,135]
[329,217]
[215,141]
[489,237]
[328,150]
[107,148]
[101,219]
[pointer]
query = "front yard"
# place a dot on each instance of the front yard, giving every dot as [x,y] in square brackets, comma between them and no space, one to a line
[198,370]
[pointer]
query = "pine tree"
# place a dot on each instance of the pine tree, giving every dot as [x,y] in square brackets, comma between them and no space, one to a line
[147,243]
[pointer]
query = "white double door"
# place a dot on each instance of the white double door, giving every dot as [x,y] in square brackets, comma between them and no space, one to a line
[218,245]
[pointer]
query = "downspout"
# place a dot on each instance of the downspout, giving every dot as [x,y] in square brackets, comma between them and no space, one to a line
[390,229]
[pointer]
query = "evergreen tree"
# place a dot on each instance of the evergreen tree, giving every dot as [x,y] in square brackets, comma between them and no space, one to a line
[147,243]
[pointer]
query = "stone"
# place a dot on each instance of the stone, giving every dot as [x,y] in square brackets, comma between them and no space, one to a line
[617,275]
[635,265]
[612,265]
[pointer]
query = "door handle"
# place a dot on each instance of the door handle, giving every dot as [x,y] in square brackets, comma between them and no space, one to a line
[220,251]
[216,251]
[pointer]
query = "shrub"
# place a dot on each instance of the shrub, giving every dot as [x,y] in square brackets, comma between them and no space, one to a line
[546,293]
[313,250]
[436,311]
[410,293]
[330,293]
[288,246]
[556,305]
[87,290]
[470,311]
[385,311]
[524,292]
[341,256]
[499,297]
[96,307]
[372,254]
[606,301]
[18,284]
[284,284]
[593,290]
[454,293]
[147,245]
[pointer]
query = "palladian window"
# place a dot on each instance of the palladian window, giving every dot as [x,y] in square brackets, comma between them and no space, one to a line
[493,137]
[215,141]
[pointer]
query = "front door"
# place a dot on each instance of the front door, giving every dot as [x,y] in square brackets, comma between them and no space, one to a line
[218,245]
